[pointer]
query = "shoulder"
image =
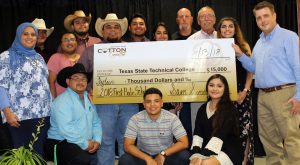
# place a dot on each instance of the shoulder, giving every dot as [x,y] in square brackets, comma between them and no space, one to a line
[94,40]
[63,99]
[55,56]
[139,116]
[4,55]
[195,35]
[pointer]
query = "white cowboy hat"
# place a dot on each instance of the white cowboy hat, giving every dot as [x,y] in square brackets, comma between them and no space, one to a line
[40,25]
[111,17]
[77,14]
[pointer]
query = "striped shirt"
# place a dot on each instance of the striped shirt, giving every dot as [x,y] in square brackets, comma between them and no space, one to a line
[154,136]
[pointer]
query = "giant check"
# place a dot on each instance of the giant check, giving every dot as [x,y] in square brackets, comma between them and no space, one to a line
[180,69]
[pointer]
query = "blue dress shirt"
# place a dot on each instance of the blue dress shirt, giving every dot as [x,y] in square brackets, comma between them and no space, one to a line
[74,121]
[275,59]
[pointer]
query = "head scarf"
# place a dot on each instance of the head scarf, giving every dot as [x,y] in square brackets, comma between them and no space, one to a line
[17,45]
[17,52]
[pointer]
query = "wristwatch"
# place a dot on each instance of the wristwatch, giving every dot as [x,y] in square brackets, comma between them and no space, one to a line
[163,153]
[246,90]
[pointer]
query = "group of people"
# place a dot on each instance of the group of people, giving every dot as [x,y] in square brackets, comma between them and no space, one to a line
[36,83]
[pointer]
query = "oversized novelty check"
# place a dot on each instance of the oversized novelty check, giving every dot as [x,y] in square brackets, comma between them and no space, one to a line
[180,69]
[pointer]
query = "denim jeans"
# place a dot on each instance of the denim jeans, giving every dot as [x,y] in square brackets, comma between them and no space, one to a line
[114,118]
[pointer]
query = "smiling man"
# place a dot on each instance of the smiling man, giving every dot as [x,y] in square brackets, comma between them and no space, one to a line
[75,126]
[154,129]
[137,28]
[207,20]
[276,65]
[78,23]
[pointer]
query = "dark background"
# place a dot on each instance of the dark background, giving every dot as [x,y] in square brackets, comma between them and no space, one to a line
[14,12]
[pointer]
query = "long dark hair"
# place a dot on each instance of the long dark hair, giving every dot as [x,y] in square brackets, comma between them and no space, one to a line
[156,27]
[238,36]
[225,104]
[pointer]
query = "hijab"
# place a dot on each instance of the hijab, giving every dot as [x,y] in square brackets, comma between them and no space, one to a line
[17,46]
[18,53]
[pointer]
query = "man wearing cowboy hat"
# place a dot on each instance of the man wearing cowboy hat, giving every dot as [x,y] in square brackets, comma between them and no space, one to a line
[78,23]
[115,116]
[43,34]
[75,126]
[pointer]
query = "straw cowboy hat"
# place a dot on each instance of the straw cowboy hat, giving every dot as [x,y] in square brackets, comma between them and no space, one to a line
[67,72]
[77,14]
[40,25]
[111,17]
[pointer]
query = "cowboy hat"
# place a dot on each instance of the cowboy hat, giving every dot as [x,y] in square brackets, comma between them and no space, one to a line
[77,14]
[41,25]
[111,17]
[67,72]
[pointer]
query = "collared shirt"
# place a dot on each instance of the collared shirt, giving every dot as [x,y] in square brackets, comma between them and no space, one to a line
[275,59]
[25,80]
[82,44]
[74,121]
[130,39]
[87,59]
[56,63]
[154,136]
[203,35]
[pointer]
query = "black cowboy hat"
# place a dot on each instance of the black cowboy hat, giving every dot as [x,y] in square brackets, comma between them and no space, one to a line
[67,72]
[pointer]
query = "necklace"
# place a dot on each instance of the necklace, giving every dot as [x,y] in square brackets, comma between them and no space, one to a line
[33,62]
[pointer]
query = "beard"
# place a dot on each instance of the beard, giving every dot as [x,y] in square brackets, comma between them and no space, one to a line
[113,40]
[82,34]
[184,27]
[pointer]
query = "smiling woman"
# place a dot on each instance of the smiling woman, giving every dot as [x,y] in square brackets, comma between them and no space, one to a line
[25,92]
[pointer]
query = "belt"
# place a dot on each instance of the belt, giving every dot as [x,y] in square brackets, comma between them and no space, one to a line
[276,88]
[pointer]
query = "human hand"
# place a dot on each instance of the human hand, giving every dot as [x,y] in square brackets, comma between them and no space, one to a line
[160,159]
[295,106]
[178,106]
[95,147]
[150,161]
[11,118]
[196,161]
[237,50]
[241,97]
[90,145]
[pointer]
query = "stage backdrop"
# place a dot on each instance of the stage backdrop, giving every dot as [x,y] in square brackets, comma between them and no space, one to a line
[14,12]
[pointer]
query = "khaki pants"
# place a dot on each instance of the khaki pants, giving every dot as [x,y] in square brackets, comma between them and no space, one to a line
[279,130]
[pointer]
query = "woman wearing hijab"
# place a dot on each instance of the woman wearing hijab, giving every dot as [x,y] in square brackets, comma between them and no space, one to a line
[25,89]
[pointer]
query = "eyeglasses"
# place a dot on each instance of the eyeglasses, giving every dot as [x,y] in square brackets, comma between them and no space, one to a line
[209,16]
[77,79]
[68,40]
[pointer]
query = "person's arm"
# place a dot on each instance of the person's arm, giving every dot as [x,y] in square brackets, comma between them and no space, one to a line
[97,126]
[242,94]
[4,103]
[129,147]
[52,79]
[11,118]
[215,144]
[292,53]
[62,111]
[197,138]
[247,62]
[180,145]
